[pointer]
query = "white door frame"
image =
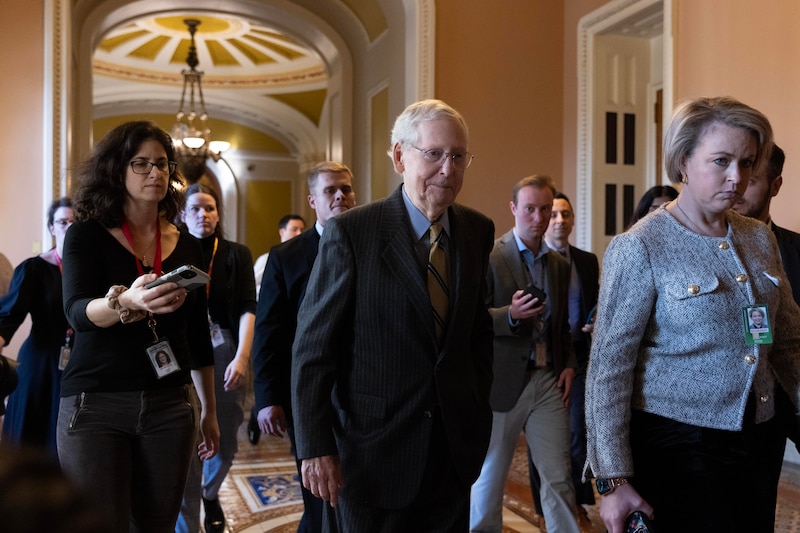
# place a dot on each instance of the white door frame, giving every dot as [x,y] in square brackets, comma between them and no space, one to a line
[590,25]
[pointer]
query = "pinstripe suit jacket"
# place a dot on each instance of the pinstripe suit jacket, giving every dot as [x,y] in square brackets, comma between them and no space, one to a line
[512,347]
[367,372]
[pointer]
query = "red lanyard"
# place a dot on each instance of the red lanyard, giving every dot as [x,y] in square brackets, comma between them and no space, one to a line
[211,267]
[126,230]
[58,260]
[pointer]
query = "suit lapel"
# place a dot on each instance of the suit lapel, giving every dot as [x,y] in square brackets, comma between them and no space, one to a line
[310,246]
[513,259]
[399,255]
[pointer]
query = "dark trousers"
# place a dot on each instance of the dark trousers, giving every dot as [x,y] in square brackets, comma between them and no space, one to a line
[130,451]
[442,505]
[700,479]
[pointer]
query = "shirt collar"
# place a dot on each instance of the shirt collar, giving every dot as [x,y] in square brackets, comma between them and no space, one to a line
[419,222]
[521,246]
[563,251]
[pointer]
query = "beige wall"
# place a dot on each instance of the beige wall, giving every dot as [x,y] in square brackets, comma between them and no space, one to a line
[750,53]
[499,64]
[21,205]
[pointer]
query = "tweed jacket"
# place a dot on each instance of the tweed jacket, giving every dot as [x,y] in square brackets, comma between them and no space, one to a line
[670,332]
[367,373]
[512,346]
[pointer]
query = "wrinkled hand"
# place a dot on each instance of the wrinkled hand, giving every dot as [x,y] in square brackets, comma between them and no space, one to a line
[160,300]
[525,306]
[272,420]
[616,506]
[235,374]
[323,477]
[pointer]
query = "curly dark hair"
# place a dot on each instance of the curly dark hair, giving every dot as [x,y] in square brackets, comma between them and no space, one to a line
[101,193]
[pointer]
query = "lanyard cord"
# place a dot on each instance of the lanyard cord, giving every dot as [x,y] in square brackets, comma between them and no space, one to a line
[126,230]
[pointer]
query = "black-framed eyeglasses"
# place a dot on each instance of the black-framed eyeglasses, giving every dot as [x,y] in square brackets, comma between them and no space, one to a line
[437,156]
[143,166]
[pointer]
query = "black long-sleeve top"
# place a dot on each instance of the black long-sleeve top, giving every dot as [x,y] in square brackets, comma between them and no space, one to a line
[114,359]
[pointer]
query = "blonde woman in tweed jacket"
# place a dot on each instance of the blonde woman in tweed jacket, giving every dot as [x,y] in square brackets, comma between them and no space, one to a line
[679,407]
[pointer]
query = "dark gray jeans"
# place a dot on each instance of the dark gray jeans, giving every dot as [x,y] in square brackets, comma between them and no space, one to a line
[130,452]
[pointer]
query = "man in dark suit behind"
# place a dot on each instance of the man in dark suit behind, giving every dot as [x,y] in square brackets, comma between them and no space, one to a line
[755,203]
[584,284]
[391,412]
[330,187]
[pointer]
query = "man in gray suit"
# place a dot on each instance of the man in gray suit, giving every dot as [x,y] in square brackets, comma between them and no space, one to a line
[391,391]
[534,363]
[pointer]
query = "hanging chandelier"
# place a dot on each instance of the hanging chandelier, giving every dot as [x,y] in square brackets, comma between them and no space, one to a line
[191,133]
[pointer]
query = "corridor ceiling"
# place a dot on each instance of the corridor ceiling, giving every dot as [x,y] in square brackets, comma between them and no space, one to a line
[249,69]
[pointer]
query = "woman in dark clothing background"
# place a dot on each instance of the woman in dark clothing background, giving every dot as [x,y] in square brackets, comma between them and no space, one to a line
[35,289]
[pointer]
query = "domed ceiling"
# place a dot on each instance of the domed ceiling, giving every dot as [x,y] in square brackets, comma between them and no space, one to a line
[247,66]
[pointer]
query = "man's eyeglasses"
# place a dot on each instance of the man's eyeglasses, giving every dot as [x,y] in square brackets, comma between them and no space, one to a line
[142,166]
[436,156]
[63,222]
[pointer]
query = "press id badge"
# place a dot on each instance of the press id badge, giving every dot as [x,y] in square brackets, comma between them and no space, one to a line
[216,335]
[162,358]
[757,329]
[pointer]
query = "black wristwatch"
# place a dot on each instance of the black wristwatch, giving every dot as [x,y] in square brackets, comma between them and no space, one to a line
[607,485]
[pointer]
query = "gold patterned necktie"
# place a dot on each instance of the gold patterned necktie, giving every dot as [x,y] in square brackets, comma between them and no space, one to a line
[437,280]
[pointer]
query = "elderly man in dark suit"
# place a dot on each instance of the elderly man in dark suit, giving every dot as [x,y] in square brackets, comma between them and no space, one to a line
[534,363]
[330,192]
[392,359]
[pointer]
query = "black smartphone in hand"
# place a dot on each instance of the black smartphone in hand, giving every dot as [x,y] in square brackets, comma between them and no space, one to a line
[536,292]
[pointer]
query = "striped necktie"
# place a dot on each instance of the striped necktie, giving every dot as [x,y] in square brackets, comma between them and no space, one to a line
[437,280]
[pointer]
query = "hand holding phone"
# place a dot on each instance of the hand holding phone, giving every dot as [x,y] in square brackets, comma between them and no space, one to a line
[536,292]
[187,276]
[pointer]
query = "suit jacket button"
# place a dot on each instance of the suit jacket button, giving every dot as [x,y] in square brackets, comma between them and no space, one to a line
[428,413]
[750,359]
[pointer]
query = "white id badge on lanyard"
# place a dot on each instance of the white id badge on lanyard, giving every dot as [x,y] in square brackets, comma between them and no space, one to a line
[160,353]
[216,335]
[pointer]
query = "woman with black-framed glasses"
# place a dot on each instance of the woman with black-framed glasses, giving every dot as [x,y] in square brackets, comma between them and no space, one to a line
[127,427]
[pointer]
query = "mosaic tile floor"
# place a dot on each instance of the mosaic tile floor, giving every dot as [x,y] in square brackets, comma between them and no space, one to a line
[262,494]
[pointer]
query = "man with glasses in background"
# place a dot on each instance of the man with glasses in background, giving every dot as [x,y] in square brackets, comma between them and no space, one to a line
[392,359]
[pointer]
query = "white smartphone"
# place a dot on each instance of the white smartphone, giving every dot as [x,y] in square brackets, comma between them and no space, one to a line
[187,276]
